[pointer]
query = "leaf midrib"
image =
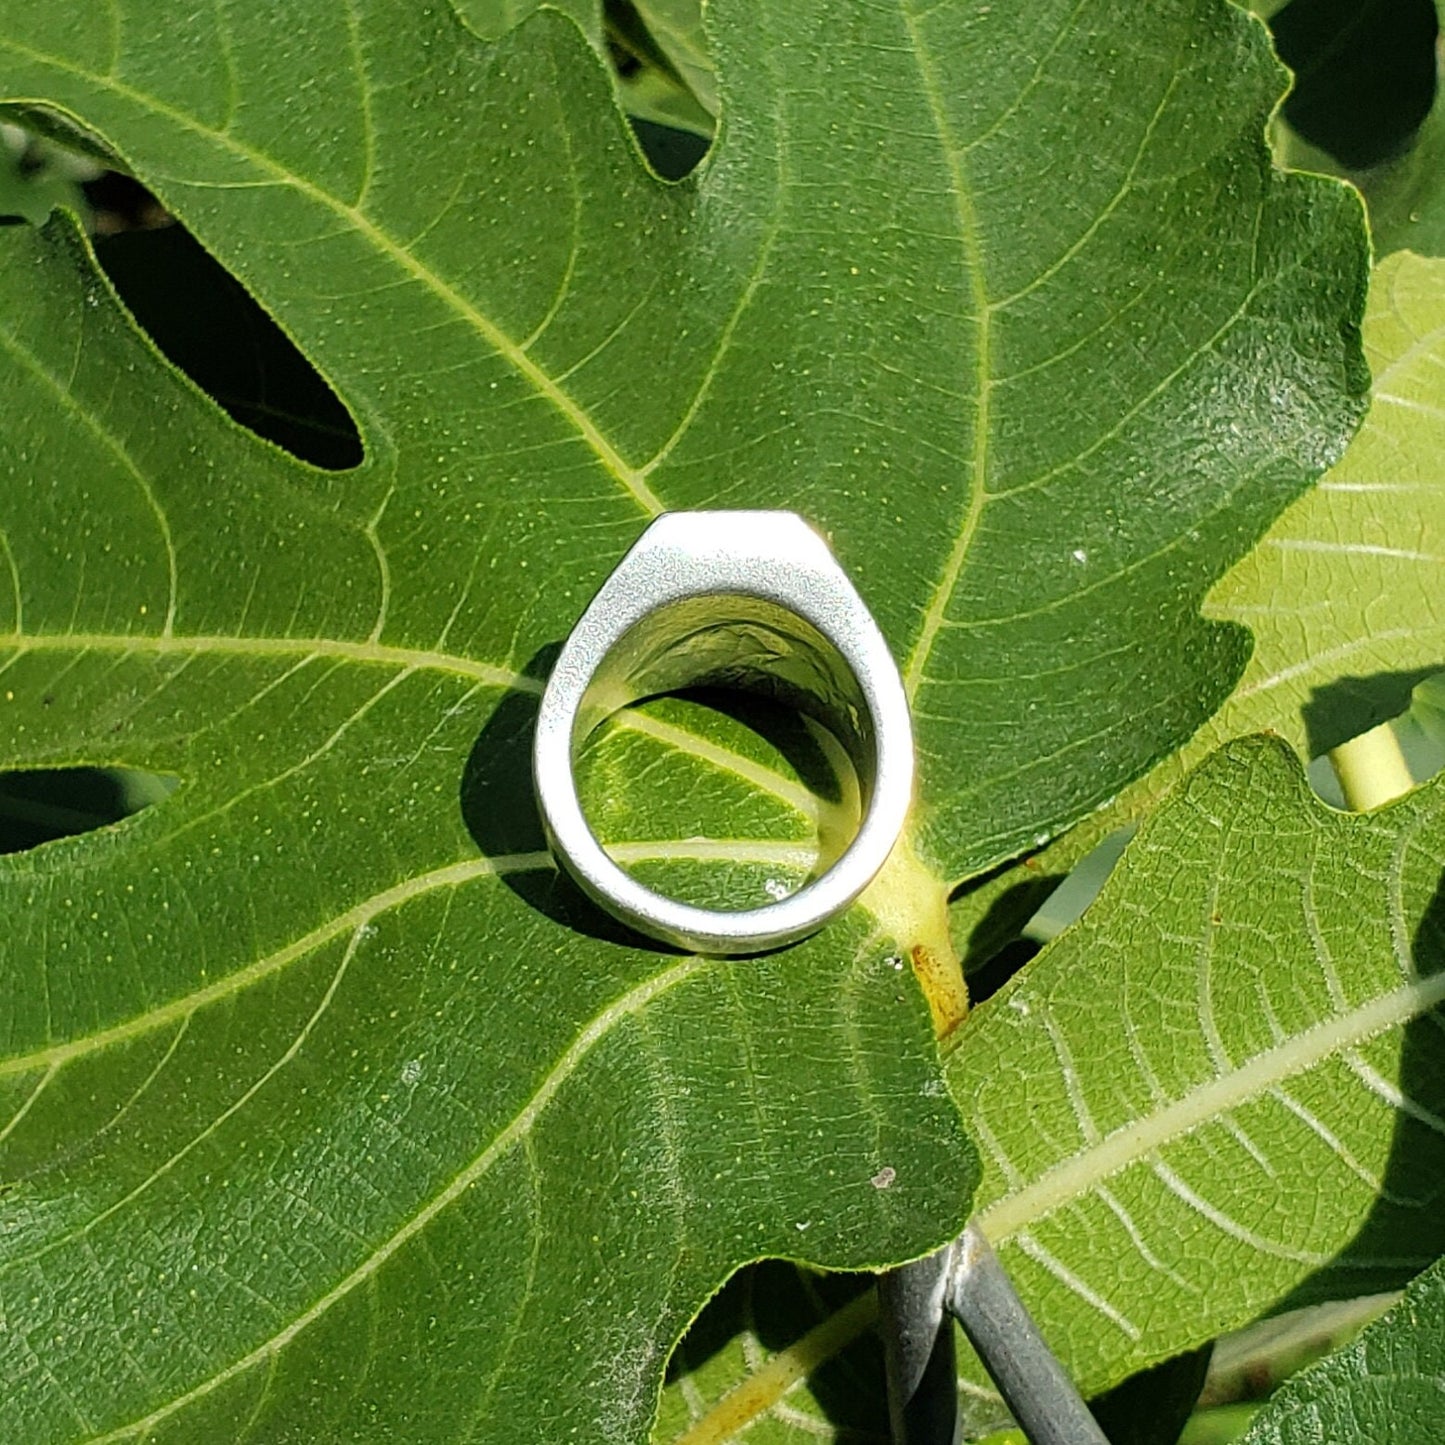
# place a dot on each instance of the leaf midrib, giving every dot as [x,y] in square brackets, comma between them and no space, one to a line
[961,190]
[787,791]
[765,851]
[1076,1176]
[600,1026]
[212,644]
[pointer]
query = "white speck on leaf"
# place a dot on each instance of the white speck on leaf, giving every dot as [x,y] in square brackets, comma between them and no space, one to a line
[884,1178]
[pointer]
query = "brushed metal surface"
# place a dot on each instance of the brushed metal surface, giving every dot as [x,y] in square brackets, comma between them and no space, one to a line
[750,600]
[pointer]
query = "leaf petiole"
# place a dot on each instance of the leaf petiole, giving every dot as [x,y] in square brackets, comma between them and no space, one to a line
[1371,768]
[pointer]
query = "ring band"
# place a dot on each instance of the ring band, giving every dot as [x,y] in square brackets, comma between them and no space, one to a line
[750,600]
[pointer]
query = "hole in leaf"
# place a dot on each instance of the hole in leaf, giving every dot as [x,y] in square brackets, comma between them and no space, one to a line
[1419,731]
[625,64]
[119,203]
[1422,728]
[199,316]
[673,154]
[1365,73]
[659,788]
[1000,924]
[1028,914]
[38,806]
[1153,1405]
[988,977]
[1079,888]
[1326,783]
[206,324]
[774,1306]
[673,126]
[36,175]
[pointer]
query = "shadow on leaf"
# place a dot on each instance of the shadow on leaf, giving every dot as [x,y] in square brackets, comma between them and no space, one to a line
[1364,73]
[1349,706]
[1001,924]
[499,807]
[208,325]
[773,1306]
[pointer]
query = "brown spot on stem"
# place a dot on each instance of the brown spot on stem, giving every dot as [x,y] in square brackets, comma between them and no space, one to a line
[941,980]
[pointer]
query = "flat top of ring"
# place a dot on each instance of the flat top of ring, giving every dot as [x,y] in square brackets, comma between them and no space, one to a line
[686,553]
[737,534]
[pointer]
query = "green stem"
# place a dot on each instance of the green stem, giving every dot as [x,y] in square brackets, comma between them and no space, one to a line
[1371,769]
[1220,1425]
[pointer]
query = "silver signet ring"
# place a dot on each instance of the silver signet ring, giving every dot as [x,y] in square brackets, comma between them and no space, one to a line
[747,600]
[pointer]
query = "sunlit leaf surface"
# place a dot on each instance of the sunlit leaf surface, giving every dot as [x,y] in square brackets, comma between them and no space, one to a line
[1343,597]
[1223,1088]
[330,1112]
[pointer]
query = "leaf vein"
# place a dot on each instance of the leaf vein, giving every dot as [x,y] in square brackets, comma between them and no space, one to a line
[1137,1140]
[973,265]
[1071,1281]
[173,1011]
[1105,211]
[112,444]
[517,1130]
[631,481]
[1227,1224]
